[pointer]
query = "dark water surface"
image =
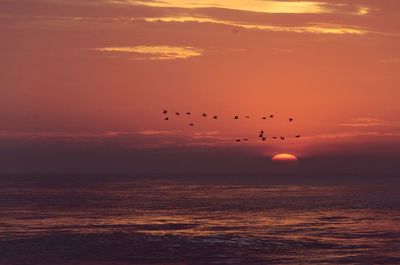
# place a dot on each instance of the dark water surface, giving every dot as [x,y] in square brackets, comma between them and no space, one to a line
[138,222]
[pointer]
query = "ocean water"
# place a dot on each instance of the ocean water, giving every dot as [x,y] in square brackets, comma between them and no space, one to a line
[154,222]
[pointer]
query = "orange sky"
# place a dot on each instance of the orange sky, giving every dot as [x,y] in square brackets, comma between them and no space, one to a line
[100,70]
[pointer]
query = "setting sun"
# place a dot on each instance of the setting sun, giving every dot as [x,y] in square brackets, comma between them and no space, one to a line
[284,157]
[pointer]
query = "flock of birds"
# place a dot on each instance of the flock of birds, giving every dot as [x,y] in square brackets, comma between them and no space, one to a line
[261,134]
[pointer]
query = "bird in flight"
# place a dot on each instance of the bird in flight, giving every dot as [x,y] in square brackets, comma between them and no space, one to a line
[282,138]
[236,117]
[245,139]
[204,114]
[275,137]
[264,138]
[166,118]
[264,118]
[237,140]
[165,111]
[177,113]
[271,116]
[215,117]
[298,136]
[191,124]
[290,119]
[247,117]
[188,113]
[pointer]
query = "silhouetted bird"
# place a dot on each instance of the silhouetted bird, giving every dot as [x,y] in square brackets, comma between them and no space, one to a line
[245,139]
[236,117]
[264,138]
[204,114]
[177,113]
[271,116]
[298,136]
[166,118]
[188,113]
[262,132]
[237,140]
[260,135]
[165,111]
[275,137]
[247,117]
[191,124]
[282,138]
[264,118]
[290,119]
[215,117]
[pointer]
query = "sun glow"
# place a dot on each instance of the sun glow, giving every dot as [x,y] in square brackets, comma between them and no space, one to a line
[284,157]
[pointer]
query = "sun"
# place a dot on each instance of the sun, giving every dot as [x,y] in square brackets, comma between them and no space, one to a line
[284,158]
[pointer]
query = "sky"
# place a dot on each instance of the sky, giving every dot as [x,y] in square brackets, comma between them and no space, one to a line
[83,85]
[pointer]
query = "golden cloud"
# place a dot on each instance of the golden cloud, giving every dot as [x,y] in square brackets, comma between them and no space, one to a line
[157,52]
[312,28]
[267,6]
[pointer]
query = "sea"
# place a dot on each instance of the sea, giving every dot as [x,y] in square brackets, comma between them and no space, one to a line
[131,221]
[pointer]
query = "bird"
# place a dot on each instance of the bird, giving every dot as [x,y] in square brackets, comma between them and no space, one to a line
[166,118]
[264,118]
[204,114]
[236,117]
[298,136]
[165,111]
[237,140]
[271,116]
[264,138]
[262,132]
[282,138]
[191,124]
[275,137]
[215,117]
[245,139]
[290,119]
[247,117]
[260,135]
[177,113]
[188,113]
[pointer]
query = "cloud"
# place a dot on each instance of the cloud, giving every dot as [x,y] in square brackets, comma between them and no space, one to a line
[353,134]
[267,6]
[151,132]
[364,122]
[206,134]
[157,52]
[323,28]
[341,135]
[9,135]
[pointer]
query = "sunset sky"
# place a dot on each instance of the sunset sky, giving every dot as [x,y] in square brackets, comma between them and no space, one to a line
[83,84]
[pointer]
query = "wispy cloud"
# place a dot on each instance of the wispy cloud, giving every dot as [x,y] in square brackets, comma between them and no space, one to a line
[322,28]
[266,6]
[352,134]
[152,132]
[364,122]
[4,135]
[157,52]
